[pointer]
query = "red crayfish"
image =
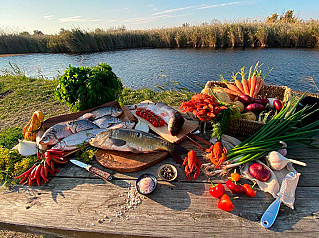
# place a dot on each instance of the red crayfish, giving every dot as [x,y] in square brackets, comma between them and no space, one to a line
[204,107]
[192,165]
[218,154]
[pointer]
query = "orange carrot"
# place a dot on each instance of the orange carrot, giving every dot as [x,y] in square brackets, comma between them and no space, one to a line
[233,88]
[245,86]
[258,80]
[252,85]
[249,82]
[229,91]
[259,87]
[239,86]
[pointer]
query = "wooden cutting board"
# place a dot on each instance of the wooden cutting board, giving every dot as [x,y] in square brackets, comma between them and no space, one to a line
[187,128]
[128,161]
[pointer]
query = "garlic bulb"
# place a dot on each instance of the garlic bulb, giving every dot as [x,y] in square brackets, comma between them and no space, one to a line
[277,161]
[27,148]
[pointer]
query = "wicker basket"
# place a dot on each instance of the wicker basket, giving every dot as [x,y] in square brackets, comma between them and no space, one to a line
[245,127]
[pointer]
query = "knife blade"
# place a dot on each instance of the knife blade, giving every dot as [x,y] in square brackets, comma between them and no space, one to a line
[270,215]
[100,173]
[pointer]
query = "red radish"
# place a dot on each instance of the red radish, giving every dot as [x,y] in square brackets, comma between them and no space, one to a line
[262,101]
[277,104]
[245,99]
[255,107]
[260,172]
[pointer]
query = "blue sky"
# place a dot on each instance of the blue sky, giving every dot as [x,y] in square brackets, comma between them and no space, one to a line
[49,16]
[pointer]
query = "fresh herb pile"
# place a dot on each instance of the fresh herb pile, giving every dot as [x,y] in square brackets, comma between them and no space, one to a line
[82,87]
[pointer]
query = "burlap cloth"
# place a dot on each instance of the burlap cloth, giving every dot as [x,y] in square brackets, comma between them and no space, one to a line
[273,185]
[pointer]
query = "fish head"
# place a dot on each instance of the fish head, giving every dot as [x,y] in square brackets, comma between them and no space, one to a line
[48,139]
[108,139]
[100,138]
[117,112]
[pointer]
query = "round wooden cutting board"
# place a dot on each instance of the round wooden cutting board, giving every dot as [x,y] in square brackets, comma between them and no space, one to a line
[128,161]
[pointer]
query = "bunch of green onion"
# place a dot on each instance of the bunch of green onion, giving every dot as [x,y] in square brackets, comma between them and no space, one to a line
[282,127]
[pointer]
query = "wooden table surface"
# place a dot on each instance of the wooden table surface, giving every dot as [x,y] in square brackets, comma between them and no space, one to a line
[75,203]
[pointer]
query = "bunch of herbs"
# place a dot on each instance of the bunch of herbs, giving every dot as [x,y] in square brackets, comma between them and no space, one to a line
[82,87]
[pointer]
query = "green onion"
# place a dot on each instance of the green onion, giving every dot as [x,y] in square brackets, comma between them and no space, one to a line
[281,127]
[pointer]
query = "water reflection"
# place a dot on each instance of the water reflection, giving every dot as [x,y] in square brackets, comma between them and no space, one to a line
[147,67]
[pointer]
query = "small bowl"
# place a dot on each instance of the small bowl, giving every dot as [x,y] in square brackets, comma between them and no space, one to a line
[171,167]
[146,176]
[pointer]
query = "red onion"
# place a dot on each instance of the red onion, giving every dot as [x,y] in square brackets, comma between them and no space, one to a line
[245,99]
[262,101]
[259,171]
[255,107]
[277,104]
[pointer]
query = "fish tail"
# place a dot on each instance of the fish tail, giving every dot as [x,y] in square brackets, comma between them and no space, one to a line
[177,153]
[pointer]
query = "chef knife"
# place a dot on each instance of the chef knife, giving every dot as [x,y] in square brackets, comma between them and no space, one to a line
[102,174]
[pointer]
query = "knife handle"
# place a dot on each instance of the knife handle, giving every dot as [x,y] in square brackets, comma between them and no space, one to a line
[102,174]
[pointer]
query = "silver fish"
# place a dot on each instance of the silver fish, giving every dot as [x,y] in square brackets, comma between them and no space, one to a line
[172,117]
[130,140]
[73,141]
[81,125]
[55,133]
[103,111]
[106,121]
[123,125]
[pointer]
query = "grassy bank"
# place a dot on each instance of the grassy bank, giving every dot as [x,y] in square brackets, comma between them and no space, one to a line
[215,35]
[20,96]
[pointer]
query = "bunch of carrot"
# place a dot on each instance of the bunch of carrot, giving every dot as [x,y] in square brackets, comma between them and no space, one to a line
[250,87]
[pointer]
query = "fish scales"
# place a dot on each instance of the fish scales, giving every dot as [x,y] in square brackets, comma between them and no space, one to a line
[130,140]
[106,121]
[73,141]
[123,124]
[81,125]
[103,111]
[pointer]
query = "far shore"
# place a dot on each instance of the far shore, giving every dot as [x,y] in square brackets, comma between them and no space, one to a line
[6,55]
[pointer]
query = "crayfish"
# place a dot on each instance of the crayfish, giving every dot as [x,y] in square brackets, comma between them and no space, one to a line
[192,165]
[218,154]
[204,107]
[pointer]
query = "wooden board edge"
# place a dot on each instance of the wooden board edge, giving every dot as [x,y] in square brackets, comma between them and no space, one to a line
[131,170]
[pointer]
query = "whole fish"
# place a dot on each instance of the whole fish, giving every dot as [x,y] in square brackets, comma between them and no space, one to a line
[81,125]
[55,133]
[131,141]
[106,121]
[123,125]
[73,141]
[172,117]
[103,111]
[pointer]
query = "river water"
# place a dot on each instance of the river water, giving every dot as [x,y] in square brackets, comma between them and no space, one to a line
[191,68]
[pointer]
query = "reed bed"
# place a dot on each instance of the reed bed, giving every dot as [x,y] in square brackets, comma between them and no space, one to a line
[215,35]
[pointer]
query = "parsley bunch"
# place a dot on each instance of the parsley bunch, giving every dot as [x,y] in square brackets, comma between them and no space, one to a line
[86,87]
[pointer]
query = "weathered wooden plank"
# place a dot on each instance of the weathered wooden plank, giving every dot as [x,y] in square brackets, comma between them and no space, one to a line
[307,173]
[174,209]
[305,154]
